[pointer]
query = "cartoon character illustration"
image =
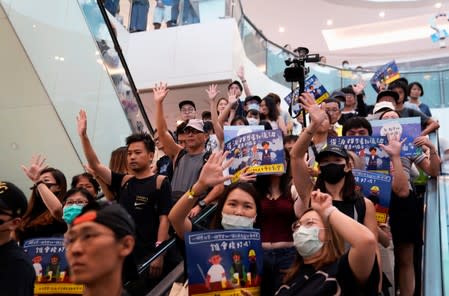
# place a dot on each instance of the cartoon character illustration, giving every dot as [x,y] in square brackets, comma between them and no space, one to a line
[237,271]
[266,153]
[216,275]
[253,278]
[37,266]
[53,269]
[374,194]
[373,159]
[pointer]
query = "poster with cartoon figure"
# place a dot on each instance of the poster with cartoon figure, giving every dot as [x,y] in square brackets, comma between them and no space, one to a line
[261,152]
[313,86]
[377,188]
[408,128]
[367,148]
[223,262]
[48,258]
[384,76]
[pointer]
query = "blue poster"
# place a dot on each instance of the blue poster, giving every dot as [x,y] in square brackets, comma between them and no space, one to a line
[262,152]
[313,86]
[50,265]
[232,131]
[377,188]
[385,75]
[222,262]
[367,148]
[408,128]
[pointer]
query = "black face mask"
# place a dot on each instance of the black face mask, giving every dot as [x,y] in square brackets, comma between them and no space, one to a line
[332,173]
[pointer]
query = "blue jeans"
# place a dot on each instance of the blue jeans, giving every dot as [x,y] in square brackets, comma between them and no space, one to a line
[275,263]
[139,17]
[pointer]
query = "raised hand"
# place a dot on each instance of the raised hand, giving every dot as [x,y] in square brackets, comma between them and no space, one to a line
[160,92]
[241,73]
[212,172]
[320,201]
[317,115]
[247,176]
[81,120]
[232,97]
[212,91]
[37,165]
[393,148]
[358,88]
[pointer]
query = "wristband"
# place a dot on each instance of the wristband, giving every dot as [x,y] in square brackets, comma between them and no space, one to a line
[191,194]
[244,80]
[327,213]
[37,184]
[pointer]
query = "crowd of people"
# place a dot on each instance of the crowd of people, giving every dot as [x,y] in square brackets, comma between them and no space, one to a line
[319,234]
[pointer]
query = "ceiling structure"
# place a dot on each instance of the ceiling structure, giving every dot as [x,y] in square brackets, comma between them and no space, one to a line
[364,32]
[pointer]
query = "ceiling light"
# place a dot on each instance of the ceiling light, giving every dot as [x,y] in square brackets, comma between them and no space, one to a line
[382,14]
[281,29]
[438,5]
[329,22]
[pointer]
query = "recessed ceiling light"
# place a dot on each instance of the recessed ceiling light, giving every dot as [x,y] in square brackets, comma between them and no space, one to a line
[281,29]
[382,14]
[329,22]
[438,5]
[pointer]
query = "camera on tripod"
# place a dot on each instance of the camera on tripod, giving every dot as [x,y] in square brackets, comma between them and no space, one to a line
[296,71]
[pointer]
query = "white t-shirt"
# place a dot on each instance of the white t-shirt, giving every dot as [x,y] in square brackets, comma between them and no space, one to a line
[216,272]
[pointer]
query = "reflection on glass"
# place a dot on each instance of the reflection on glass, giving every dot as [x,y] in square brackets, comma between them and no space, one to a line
[109,58]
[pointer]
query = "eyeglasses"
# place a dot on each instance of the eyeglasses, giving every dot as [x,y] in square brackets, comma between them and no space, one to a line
[84,238]
[191,130]
[76,202]
[307,223]
[187,110]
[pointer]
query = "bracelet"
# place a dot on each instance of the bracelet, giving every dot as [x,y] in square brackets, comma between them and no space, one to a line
[327,213]
[244,80]
[38,183]
[191,194]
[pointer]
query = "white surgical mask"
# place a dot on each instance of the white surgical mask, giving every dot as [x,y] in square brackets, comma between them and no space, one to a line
[307,241]
[253,121]
[236,222]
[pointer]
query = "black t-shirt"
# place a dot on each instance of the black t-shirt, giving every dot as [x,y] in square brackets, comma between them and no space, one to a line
[16,271]
[145,203]
[331,279]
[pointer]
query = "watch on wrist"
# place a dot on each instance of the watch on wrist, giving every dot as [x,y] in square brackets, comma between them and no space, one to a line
[202,204]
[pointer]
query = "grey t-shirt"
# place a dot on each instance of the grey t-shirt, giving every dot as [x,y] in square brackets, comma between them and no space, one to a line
[407,165]
[186,173]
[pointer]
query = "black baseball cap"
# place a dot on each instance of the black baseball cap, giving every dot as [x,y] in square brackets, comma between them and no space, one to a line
[338,95]
[332,150]
[186,102]
[12,199]
[388,93]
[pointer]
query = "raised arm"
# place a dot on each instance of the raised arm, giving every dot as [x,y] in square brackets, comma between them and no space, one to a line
[212,93]
[430,166]
[226,114]
[211,175]
[171,149]
[94,163]
[33,172]
[363,243]
[399,184]
[300,172]
[241,75]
